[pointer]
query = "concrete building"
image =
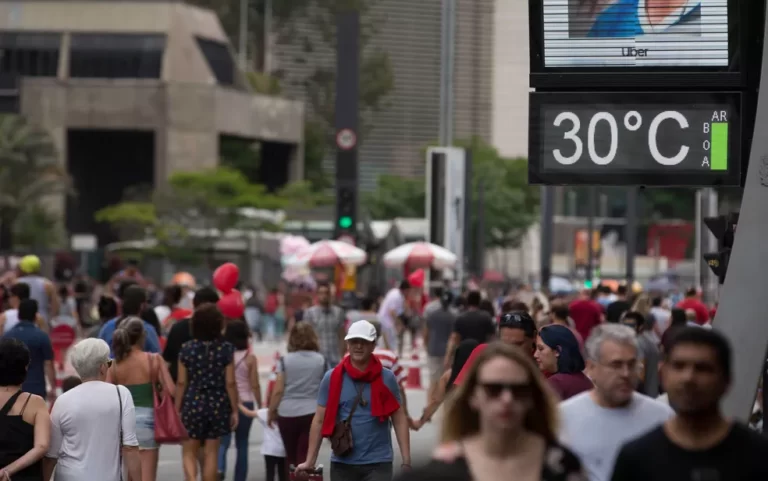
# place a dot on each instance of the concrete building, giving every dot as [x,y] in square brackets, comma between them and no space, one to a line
[134,90]
[409,32]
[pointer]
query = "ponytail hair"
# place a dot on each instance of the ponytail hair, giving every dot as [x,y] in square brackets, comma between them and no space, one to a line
[130,333]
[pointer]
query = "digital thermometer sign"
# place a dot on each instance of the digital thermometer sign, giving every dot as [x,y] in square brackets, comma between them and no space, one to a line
[668,139]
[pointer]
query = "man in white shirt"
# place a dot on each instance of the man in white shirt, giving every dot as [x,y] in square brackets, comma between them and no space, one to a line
[596,423]
[392,307]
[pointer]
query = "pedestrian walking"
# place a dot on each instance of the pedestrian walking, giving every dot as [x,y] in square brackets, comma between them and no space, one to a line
[136,370]
[93,427]
[206,392]
[134,300]
[294,397]
[238,334]
[357,400]
[41,288]
[25,426]
[329,323]
[596,423]
[698,442]
[437,331]
[272,449]
[558,355]
[502,416]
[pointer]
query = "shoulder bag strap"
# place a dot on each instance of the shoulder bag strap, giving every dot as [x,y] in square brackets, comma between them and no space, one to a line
[120,434]
[358,399]
[282,366]
[114,373]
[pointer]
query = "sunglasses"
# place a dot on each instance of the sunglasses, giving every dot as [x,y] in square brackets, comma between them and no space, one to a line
[519,391]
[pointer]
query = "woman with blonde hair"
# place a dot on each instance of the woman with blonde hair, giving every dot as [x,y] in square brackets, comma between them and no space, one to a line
[502,417]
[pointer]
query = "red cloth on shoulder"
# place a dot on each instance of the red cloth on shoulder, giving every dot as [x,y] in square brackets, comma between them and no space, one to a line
[383,402]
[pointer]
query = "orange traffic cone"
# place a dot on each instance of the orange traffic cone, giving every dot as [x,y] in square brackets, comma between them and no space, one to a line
[413,380]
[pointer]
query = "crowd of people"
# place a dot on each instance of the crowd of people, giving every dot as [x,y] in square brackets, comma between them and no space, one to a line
[565,388]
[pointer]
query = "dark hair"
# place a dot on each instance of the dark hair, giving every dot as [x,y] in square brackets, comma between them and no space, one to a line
[238,334]
[28,310]
[366,303]
[438,291]
[107,308]
[562,339]
[513,305]
[703,337]
[519,320]
[637,317]
[677,317]
[171,295]
[124,286]
[621,290]
[460,357]
[130,333]
[303,338]
[691,291]
[205,295]
[63,291]
[656,301]
[134,298]
[70,383]
[474,298]
[14,360]
[560,311]
[320,284]
[20,290]
[404,284]
[487,306]
[207,323]
[149,316]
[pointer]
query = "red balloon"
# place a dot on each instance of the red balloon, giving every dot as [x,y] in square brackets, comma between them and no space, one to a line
[225,277]
[416,279]
[231,305]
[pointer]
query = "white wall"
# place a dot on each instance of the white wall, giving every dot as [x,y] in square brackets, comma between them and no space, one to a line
[510,78]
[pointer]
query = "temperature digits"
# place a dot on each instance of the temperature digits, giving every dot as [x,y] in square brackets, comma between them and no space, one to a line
[632,122]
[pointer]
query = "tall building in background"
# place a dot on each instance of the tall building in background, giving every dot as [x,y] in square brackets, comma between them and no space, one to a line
[410,33]
[510,78]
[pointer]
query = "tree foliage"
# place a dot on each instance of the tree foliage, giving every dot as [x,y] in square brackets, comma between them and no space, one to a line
[30,173]
[195,208]
[509,205]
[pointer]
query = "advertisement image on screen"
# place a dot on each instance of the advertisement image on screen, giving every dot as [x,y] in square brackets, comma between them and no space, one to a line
[635,33]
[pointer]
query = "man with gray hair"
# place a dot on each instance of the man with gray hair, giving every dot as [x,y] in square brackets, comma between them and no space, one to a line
[86,423]
[596,423]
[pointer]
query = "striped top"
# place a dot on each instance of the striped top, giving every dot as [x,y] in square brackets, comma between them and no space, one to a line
[390,361]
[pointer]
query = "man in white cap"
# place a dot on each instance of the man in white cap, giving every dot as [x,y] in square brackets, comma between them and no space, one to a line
[356,401]
[40,288]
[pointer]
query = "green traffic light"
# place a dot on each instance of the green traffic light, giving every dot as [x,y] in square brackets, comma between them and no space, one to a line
[345,222]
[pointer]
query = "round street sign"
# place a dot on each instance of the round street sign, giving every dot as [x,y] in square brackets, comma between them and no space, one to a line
[346,139]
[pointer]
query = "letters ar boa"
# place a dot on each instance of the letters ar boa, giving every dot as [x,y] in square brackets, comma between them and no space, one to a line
[383,402]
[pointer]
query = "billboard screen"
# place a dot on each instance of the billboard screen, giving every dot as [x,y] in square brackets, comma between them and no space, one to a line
[635,33]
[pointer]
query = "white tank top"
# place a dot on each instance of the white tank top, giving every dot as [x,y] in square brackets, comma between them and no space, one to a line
[11,319]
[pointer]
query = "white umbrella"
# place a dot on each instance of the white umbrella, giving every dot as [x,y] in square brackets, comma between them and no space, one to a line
[327,253]
[420,255]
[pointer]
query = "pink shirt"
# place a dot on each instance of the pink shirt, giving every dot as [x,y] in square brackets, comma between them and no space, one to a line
[242,377]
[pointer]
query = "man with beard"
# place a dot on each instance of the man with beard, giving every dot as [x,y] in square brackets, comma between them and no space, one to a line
[698,443]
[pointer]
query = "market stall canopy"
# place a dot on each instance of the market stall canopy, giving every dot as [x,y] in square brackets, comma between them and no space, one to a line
[416,255]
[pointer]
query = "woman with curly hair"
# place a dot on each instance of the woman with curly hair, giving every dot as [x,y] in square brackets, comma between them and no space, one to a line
[294,398]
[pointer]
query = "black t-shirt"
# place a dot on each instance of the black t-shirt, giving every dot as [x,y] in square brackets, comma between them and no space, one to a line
[181,332]
[615,309]
[475,324]
[739,457]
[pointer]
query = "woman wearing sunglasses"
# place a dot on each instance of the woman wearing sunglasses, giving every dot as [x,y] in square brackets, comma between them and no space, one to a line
[558,354]
[502,417]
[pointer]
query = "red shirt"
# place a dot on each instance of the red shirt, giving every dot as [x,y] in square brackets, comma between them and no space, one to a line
[702,314]
[586,314]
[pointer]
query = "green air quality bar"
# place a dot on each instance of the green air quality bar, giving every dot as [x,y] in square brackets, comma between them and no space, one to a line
[719,150]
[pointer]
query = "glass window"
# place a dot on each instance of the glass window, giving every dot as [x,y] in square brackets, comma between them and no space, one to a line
[116,56]
[219,60]
[30,54]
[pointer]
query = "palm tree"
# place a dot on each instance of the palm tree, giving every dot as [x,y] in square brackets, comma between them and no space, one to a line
[29,172]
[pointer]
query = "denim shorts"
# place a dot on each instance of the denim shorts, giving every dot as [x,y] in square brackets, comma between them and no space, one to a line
[145,428]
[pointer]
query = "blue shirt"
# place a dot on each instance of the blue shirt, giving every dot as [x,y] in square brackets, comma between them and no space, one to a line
[151,341]
[372,438]
[40,350]
[622,19]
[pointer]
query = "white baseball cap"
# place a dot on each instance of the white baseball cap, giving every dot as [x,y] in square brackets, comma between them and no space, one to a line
[361,330]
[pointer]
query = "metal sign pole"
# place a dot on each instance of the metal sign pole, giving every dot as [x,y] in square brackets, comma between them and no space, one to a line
[743,303]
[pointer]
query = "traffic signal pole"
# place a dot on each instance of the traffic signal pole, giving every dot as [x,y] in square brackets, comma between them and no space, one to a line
[741,314]
[347,94]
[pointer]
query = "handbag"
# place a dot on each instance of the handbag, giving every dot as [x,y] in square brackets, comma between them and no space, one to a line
[341,438]
[168,426]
